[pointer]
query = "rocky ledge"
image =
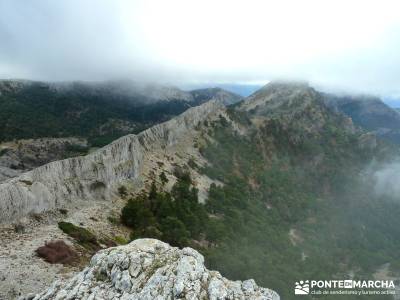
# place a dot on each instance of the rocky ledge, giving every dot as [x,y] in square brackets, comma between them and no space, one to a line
[151,269]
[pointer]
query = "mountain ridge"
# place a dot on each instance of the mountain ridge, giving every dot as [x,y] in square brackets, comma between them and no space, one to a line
[51,184]
[281,176]
[368,112]
[97,111]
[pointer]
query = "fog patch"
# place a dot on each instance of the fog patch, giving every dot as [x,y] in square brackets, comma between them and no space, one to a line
[387,180]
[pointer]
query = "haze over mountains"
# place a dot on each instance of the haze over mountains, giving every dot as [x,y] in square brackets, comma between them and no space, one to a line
[99,112]
[74,117]
[370,113]
[266,188]
[102,110]
[207,150]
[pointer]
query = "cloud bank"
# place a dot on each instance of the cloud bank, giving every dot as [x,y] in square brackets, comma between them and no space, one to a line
[349,45]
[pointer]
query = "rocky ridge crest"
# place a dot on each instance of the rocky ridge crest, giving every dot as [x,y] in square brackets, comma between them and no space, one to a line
[151,269]
[96,175]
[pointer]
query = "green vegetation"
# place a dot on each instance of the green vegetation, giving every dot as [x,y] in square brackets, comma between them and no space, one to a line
[122,191]
[191,163]
[293,205]
[163,178]
[83,236]
[63,211]
[175,217]
[113,220]
[75,150]
[120,240]
[3,151]
[38,110]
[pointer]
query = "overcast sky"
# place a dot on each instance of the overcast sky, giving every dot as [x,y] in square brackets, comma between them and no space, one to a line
[348,45]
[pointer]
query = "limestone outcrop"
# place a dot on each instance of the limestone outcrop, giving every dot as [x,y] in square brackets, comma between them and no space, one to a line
[96,175]
[151,269]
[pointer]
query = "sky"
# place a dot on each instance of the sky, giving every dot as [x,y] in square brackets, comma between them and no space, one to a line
[349,46]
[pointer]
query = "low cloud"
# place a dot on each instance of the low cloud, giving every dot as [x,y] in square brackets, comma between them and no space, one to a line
[348,45]
[387,180]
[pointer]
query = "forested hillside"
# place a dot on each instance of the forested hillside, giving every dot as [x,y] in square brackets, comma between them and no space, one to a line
[296,200]
[371,113]
[100,112]
[295,203]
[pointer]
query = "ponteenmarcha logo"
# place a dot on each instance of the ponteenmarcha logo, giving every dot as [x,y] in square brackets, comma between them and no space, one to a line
[302,288]
[348,286]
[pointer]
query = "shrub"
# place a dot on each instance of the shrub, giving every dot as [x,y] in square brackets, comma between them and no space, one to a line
[176,217]
[3,151]
[147,232]
[83,236]
[19,228]
[175,232]
[56,252]
[192,163]
[63,211]
[182,174]
[75,148]
[113,219]
[121,240]
[163,178]
[122,191]
[137,214]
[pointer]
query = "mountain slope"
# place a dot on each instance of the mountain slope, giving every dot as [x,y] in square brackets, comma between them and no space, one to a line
[100,112]
[98,175]
[19,156]
[226,97]
[370,113]
[292,198]
[287,185]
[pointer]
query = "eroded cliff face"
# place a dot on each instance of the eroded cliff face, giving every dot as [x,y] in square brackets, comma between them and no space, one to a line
[96,175]
[151,269]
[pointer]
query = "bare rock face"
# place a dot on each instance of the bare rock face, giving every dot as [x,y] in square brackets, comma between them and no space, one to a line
[97,175]
[151,269]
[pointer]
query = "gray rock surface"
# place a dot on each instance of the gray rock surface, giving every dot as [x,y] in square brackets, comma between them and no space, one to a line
[151,269]
[97,175]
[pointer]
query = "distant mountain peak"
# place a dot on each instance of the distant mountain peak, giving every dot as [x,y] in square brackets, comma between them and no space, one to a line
[278,93]
[215,93]
[368,112]
[286,84]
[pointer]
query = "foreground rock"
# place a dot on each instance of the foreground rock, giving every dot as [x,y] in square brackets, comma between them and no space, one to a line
[150,269]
